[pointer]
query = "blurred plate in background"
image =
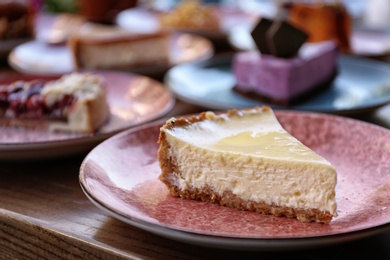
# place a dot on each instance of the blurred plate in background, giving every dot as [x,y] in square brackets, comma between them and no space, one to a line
[364,41]
[6,46]
[40,58]
[361,85]
[132,99]
[229,16]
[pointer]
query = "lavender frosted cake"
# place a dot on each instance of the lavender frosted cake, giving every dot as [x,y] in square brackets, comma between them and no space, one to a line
[286,80]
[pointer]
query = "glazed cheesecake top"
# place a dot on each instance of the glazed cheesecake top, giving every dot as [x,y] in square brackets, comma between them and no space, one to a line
[254,134]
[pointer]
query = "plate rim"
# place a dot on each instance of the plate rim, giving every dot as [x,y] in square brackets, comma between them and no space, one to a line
[226,242]
[250,244]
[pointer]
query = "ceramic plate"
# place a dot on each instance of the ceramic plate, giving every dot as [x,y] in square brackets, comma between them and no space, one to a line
[120,176]
[37,57]
[361,84]
[6,46]
[132,99]
[228,17]
[364,41]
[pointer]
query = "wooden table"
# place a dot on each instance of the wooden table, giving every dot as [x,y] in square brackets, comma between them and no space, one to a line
[45,215]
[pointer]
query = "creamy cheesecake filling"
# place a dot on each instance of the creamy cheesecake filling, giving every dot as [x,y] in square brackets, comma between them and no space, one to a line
[273,166]
[276,182]
[145,52]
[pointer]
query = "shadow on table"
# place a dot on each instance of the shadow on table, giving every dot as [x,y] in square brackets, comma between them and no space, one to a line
[133,240]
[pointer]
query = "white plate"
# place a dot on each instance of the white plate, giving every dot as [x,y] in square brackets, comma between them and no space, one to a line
[40,58]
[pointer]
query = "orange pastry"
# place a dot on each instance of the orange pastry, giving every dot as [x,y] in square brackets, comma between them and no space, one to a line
[323,21]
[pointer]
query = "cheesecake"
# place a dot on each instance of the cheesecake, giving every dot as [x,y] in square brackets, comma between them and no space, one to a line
[75,102]
[245,159]
[110,47]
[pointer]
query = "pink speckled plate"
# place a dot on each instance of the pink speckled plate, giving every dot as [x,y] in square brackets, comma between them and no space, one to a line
[120,176]
[133,100]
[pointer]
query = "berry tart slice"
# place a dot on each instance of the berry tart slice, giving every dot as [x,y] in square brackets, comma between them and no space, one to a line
[75,102]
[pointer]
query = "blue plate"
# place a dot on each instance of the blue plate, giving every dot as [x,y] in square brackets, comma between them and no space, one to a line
[360,86]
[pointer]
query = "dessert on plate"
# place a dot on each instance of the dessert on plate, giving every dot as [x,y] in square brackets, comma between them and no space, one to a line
[110,47]
[191,14]
[285,69]
[323,21]
[245,159]
[73,103]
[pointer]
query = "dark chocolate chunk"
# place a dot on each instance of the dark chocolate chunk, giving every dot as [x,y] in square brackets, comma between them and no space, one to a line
[259,34]
[278,38]
[286,39]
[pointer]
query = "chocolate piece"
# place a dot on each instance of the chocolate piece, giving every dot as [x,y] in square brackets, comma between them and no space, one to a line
[286,39]
[278,38]
[259,35]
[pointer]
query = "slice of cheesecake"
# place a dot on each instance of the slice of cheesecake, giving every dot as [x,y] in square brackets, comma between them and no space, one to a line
[111,47]
[246,160]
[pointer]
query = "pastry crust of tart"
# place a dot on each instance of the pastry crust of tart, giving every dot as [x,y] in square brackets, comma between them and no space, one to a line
[90,111]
